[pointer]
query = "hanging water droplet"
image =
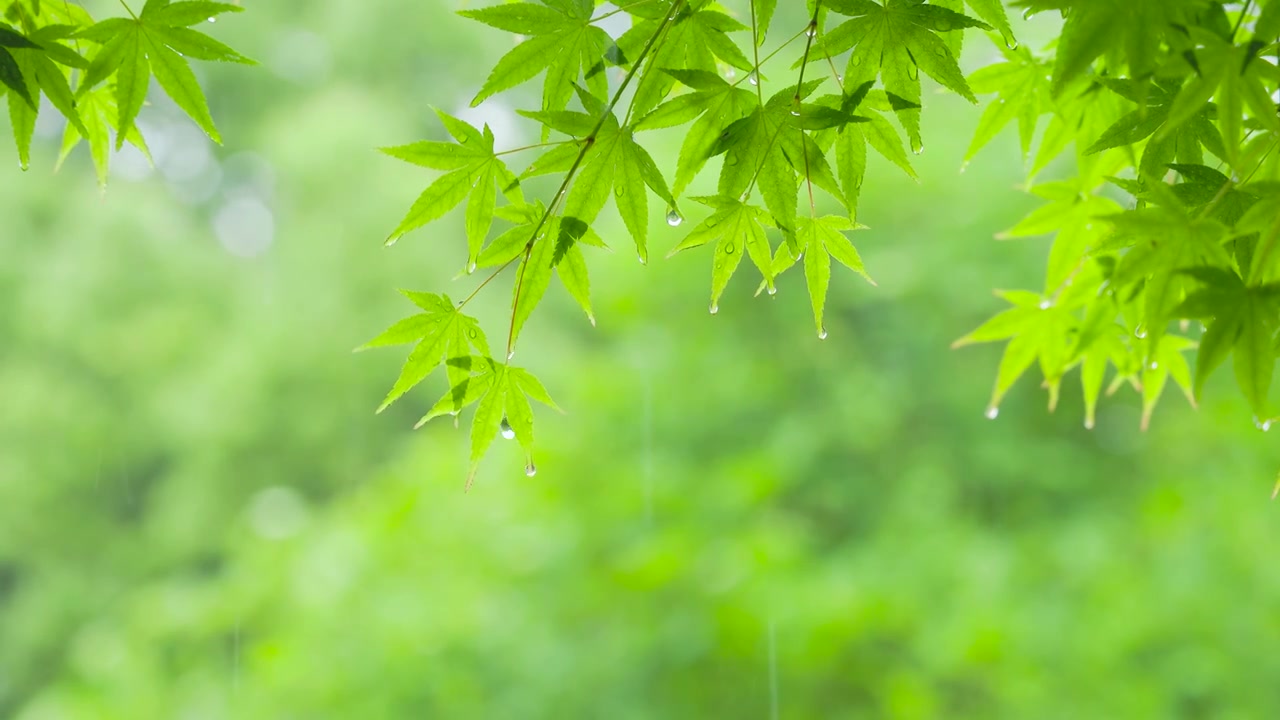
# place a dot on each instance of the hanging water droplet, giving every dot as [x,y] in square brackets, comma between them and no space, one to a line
[964,166]
[840,78]
[822,333]
[25,167]
[773,289]
[510,354]
[507,432]
[471,267]
[1088,423]
[1046,304]
[993,412]
[1140,332]
[753,78]
[917,145]
[1263,425]
[643,258]
[213,19]
[1026,14]
[714,308]
[673,218]
[530,470]
[812,30]
[1011,42]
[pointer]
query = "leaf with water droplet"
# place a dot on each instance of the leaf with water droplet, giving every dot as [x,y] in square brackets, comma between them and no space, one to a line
[440,332]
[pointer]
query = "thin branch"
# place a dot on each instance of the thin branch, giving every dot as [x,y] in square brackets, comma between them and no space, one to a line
[755,51]
[586,146]
[769,57]
[811,31]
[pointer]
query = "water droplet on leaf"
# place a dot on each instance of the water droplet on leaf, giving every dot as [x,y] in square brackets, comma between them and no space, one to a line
[507,432]
[1011,42]
[812,30]
[822,334]
[714,308]
[530,470]
[917,145]
[213,19]
[1140,332]
[728,249]
[1263,425]
[511,354]
[773,289]
[753,78]
[673,218]
[993,412]
[1046,304]
[471,267]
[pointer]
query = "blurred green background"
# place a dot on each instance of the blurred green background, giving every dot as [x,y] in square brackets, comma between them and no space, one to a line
[201,517]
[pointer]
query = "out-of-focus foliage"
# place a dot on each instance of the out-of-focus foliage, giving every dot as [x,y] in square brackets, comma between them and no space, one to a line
[201,517]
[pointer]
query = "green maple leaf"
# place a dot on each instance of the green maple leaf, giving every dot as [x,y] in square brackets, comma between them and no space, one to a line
[851,141]
[1131,29]
[501,394]
[895,41]
[473,173]
[615,164]
[157,41]
[440,333]
[1160,244]
[562,41]
[712,106]
[1037,330]
[1022,86]
[29,70]
[769,148]
[819,240]
[99,116]
[1169,140]
[1242,323]
[693,41]
[1167,362]
[1235,78]
[1071,214]
[736,228]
